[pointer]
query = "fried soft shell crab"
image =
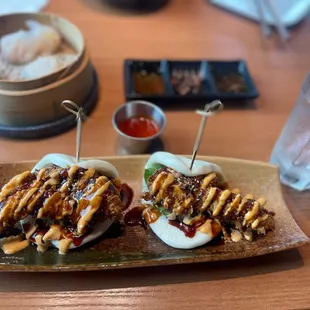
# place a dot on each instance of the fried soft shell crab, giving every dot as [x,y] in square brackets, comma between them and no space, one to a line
[60,203]
[188,208]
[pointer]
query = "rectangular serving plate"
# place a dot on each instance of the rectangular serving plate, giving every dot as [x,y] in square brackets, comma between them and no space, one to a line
[209,90]
[136,247]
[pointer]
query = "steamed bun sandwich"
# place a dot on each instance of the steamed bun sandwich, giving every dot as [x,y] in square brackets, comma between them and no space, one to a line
[60,204]
[187,208]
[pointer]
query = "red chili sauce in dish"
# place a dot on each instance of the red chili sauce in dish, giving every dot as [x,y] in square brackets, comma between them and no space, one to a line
[139,127]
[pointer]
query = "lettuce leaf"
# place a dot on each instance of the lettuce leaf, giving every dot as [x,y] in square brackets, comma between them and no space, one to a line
[151,170]
[147,173]
[161,209]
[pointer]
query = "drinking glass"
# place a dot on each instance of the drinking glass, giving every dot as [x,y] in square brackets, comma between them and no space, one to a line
[291,152]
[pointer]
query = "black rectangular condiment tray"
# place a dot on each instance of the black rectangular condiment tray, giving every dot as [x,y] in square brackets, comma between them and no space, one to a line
[174,80]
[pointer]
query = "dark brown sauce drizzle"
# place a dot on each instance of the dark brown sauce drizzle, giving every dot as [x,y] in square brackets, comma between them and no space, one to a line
[189,231]
[116,230]
[126,195]
[26,227]
[218,240]
[10,232]
[134,217]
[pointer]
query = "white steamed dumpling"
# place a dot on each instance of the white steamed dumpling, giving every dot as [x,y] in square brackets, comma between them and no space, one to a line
[169,234]
[45,65]
[66,161]
[23,46]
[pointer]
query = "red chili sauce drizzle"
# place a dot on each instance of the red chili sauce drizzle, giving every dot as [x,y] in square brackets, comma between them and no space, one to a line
[139,127]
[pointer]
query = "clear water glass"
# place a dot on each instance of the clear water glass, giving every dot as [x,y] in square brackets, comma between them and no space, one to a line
[291,152]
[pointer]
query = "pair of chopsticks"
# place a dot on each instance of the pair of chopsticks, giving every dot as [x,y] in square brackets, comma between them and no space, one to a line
[266,29]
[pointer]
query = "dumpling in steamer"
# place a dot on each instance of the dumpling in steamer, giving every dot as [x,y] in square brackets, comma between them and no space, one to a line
[23,46]
[46,65]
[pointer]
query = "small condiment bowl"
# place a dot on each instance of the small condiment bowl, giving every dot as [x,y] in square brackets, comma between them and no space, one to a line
[136,108]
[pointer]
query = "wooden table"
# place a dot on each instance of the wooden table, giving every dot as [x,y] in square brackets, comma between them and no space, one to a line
[184,29]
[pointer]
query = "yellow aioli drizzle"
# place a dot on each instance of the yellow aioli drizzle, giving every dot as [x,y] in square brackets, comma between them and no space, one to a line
[41,246]
[234,204]
[101,190]
[72,172]
[55,174]
[54,202]
[13,183]
[164,180]
[161,177]
[244,200]
[212,191]
[34,200]
[24,200]
[41,173]
[87,175]
[64,187]
[64,245]
[248,236]
[259,220]
[182,204]
[222,200]
[187,202]
[210,227]
[8,208]
[206,181]
[261,201]
[84,220]
[28,198]
[208,199]
[31,231]
[168,180]
[51,181]
[236,236]
[92,207]
[37,183]
[188,220]
[248,218]
[14,246]
[151,215]
[206,228]
[53,233]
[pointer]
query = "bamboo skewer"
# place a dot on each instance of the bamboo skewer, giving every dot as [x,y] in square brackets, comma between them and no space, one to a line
[78,111]
[210,109]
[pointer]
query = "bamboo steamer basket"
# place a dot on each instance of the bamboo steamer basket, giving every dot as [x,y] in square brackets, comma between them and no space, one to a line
[69,32]
[42,105]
